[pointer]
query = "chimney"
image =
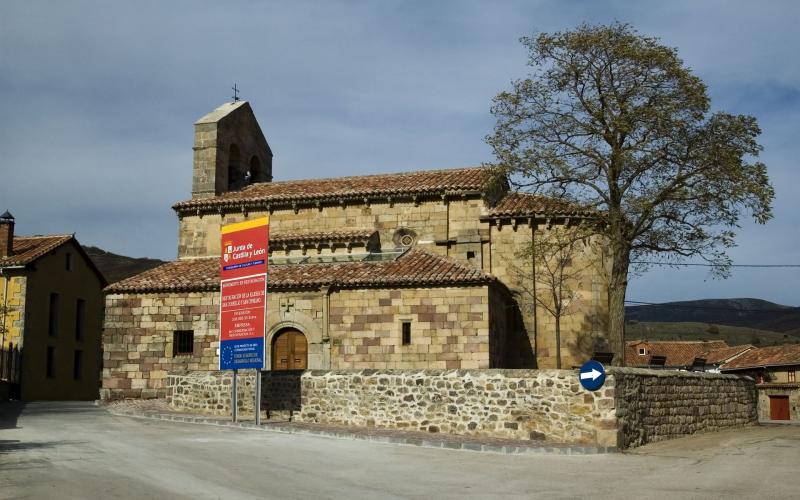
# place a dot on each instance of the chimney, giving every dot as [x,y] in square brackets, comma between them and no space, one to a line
[6,234]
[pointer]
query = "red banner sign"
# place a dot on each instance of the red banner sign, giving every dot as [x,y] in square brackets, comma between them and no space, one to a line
[243,294]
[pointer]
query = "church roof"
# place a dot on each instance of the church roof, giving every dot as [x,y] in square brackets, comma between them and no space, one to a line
[455,181]
[526,204]
[413,268]
[27,249]
[221,112]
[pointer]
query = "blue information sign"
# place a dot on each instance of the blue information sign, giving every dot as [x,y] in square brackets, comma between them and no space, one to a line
[592,375]
[241,354]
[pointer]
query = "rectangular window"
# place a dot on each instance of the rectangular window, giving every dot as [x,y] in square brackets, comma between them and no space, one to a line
[80,318]
[791,376]
[68,263]
[51,360]
[52,325]
[77,365]
[183,342]
[406,332]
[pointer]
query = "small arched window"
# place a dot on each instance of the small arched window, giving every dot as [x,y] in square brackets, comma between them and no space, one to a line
[235,174]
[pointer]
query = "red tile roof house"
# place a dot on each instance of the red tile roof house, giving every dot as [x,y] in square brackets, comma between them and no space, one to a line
[407,270]
[775,370]
[682,355]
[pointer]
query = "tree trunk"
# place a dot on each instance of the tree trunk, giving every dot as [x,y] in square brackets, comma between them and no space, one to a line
[558,340]
[616,303]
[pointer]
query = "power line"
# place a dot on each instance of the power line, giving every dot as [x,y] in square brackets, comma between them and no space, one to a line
[678,306]
[693,264]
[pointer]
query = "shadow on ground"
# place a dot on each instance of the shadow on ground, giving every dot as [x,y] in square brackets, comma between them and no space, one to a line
[9,414]
[12,445]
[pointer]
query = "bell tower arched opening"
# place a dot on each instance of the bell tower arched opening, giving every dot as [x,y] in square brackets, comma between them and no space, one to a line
[235,175]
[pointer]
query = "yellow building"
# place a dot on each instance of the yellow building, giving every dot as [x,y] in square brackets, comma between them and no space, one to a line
[51,308]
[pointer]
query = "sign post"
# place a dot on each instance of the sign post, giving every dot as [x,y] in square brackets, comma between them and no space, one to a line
[234,399]
[243,301]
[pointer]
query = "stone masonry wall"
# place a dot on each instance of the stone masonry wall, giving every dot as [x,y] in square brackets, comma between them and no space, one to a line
[138,340]
[199,236]
[633,408]
[655,405]
[449,328]
[518,404]
[210,392]
[583,326]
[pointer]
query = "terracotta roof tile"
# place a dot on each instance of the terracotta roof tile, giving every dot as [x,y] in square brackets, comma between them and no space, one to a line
[678,353]
[723,354]
[27,249]
[414,268]
[779,355]
[421,183]
[320,236]
[527,204]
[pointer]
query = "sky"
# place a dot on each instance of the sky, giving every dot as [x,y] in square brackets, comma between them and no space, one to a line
[98,101]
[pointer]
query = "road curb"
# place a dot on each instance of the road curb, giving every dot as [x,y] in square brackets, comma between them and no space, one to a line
[426,442]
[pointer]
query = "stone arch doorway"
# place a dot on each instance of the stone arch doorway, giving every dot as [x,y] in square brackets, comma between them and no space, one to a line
[289,350]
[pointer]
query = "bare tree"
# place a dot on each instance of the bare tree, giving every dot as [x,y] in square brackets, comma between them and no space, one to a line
[563,258]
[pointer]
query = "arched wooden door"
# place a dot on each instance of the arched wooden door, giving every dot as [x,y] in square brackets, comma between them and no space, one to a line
[289,350]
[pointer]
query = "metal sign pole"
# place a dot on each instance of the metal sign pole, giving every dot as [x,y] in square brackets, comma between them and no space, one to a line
[263,354]
[234,398]
[258,397]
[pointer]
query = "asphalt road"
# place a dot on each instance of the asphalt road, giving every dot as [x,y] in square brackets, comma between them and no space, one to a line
[76,450]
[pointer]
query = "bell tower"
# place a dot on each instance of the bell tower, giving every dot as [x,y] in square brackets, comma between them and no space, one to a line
[230,151]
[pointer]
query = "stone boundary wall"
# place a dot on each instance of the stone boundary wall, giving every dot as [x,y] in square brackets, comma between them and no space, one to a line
[655,405]
[516,404]
[634,407]
[210,392]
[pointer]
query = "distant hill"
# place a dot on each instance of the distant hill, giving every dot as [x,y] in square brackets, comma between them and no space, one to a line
[733,335]
[118,267]
[749,313]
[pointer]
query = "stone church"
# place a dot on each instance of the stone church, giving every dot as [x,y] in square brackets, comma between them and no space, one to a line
[410,270]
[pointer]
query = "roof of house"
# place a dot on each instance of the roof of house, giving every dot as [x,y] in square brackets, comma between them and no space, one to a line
[517,204]
[400,185]
[721,355]
[27,249]
[343,236]
[413,268]
[678,353]
[779,355]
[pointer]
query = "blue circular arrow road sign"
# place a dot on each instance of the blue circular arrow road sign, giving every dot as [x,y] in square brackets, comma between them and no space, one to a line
[592,375]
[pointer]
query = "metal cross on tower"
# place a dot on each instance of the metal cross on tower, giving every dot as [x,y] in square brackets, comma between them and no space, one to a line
[235,93]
